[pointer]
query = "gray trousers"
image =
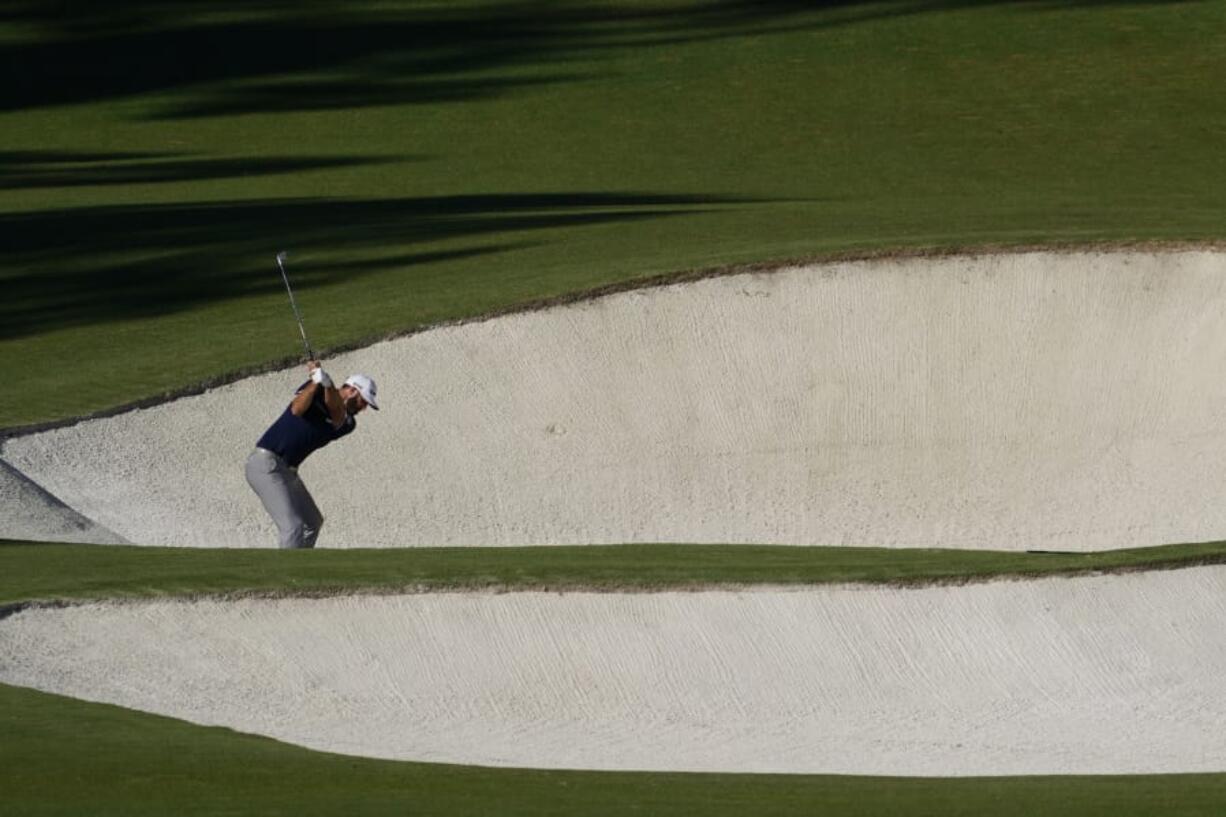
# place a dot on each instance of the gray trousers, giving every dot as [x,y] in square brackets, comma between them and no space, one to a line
[285,498]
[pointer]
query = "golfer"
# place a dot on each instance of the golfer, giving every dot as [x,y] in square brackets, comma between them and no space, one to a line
[318,414]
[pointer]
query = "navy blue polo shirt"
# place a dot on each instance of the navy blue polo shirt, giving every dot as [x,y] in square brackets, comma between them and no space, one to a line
[293,438]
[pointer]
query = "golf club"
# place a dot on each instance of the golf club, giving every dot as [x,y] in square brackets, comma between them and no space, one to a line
[281,256]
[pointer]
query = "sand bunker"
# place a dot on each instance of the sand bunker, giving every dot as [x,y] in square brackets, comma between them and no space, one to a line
[1118,674]
[1039,400]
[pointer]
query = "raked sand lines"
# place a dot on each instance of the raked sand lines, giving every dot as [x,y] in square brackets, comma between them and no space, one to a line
[1106,674]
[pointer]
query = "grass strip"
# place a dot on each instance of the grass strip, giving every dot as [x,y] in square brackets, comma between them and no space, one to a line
[62,756]
[43,572]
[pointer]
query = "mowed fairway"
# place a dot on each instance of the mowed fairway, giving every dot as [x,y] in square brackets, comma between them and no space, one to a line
[425,164]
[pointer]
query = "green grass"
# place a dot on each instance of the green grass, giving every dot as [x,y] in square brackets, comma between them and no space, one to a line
[425,162]
[54,572]
[63,756]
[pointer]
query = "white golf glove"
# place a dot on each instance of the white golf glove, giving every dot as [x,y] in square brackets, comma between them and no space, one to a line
[321,377]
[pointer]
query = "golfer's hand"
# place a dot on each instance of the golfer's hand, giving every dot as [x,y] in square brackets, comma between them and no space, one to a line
[318,375]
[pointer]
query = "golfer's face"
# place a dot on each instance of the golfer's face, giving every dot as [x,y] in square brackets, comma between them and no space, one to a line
[354,402]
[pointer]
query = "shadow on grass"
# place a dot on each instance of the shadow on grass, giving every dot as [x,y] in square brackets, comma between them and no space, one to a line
[38,168]
[86,265]
[230,57]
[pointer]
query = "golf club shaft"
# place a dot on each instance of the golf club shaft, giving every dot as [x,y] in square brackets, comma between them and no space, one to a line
[294,305]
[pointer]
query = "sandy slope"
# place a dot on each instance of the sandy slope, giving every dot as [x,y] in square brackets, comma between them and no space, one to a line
[1094,675]
[29,512]
[1038,400]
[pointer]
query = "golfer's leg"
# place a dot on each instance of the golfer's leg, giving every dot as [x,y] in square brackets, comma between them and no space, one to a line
[307,511]
[273,484]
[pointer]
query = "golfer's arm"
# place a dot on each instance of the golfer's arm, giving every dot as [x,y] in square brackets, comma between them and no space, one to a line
[332,396]
[302,400]
[336,406]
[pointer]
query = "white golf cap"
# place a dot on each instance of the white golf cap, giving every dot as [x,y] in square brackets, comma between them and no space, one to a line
[366,388]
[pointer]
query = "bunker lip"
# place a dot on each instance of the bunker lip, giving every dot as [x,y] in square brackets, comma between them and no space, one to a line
[1021,401]
[1013,678]
[33,511]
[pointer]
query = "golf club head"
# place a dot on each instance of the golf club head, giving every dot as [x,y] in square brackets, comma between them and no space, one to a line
[281,256]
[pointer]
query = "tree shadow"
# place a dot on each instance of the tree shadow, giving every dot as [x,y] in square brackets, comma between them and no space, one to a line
[229,57]
[287,57]
[30,169]
[89,265]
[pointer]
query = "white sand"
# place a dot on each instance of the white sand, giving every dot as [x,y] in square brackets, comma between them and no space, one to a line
[1040,400]
[1118,674]
[29,512]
